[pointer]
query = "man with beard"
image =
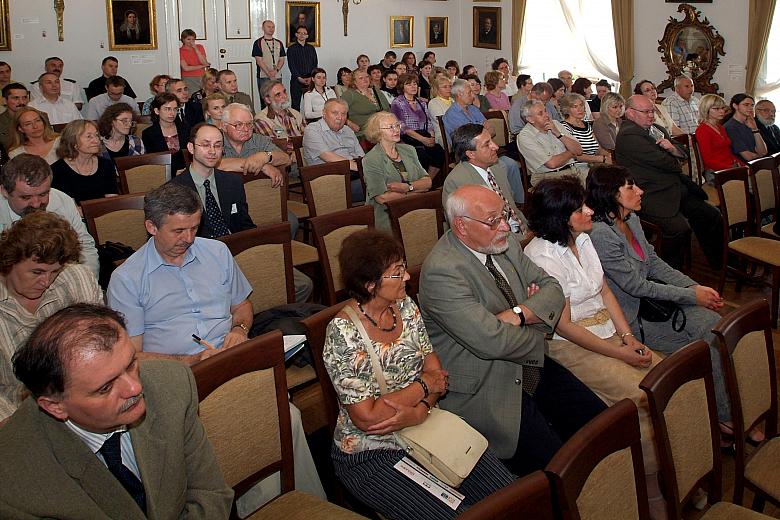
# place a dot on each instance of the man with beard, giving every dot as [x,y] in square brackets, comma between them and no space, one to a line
[487,309]
[277,119]
[114,438]
[765,120]
[26,187]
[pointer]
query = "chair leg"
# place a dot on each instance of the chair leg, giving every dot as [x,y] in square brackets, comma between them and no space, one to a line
[775,294]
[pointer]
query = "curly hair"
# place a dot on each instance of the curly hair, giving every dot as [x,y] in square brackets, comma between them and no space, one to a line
[602,189]
[42,236]
[364,256]
[551,205]
[106,122]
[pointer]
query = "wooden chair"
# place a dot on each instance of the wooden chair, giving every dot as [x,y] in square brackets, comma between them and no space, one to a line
[58,128]
[116,219]
[600,468]
[327,187]
[292,145]
[684,140]
[497,120]
[681,399]
[738,216]
[449,160]
[329,231]
[748,357]
[143,173]
[142,123]
[246,415]
[765,187]
[526,176]
[529,497]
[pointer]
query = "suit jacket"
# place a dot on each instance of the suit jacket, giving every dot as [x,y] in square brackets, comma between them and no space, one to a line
[655,170]
[154,141]
[771,135]
[483,355]
[231,194]
[193,113]
[240,97]
[48,472]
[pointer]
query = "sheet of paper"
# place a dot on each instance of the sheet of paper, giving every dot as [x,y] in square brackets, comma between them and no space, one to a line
[431,484]
[293,344]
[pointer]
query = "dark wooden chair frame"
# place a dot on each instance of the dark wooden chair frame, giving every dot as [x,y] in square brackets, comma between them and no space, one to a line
[311,173]
[772,164]
[95,208]
[127,163]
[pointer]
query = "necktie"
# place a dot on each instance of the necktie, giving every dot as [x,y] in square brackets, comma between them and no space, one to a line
[216,224]
[181,114]
[531,375]
[112,454]
[507,206]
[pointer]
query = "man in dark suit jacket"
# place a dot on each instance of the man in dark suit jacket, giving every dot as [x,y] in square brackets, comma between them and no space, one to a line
[765,120]
[670,199]
[101,436]
[190,111]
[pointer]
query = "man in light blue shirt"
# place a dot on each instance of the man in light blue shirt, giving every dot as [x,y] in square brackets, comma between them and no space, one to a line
[115,93]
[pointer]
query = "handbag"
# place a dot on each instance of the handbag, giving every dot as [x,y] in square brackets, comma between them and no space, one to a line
[657,311]
[444,444]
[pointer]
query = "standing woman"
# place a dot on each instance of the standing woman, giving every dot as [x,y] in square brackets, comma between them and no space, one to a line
[495,83]
[318,93]
[662,117]
[81,172]
[343,81]
[208,84]
[33,135]
[156,86]
[115,127]
[167,133]
[711,136]
[192,59]
[363,100]
[410,60]
[573,107]
[606,127]
[425,79]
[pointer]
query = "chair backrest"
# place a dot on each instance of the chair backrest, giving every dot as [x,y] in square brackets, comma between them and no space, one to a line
[327,187]
[696,156]
[600,468]
[116,219]
[681,399]
[329,232]
[497,120]
[264,255]
[295,143]
[734,197]
[245,412]
[418,222]
[529,497]
[684,140]
[765,185]
[141,124]
[267,205]
[143,173]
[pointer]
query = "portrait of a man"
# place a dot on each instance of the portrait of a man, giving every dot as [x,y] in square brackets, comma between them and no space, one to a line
[302,14]
[402,27]
[487,27]
[437,31]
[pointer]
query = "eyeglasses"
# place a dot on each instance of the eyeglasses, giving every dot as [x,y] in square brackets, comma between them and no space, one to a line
[241,126]
[401,273]
[395,126]
[493,222]
[125,121]
[645,112]
[210,146]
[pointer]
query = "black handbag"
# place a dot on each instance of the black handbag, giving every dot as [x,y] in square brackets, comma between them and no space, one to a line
[659,311]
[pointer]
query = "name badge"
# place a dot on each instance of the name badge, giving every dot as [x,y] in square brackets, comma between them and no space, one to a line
[233,209]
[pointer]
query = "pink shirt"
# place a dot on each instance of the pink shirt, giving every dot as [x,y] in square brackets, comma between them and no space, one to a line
[187,55]
[499,102]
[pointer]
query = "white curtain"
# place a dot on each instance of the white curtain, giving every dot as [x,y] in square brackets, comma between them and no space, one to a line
[574,11]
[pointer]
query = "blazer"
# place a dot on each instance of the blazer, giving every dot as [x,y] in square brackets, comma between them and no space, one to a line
[155,142]
[484,356]
[193,112]
[656,171]
[48,472]
[231,194]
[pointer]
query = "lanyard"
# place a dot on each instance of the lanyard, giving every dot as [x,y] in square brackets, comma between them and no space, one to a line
[271,48]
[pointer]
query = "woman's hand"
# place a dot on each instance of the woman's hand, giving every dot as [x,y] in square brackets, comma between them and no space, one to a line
[403,417]
[436,380]
[630,355]
[397,187]
[428,141]
[708,297]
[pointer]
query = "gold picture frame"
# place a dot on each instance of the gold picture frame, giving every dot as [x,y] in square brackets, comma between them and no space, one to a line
[487,27]
[401,31]
[434,37]
[311,13]
[126,33]
[5,26]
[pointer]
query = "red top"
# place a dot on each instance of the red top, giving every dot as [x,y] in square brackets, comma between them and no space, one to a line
[715,148]
[187,55]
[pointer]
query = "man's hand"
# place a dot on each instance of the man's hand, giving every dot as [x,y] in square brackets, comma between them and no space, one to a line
[428,141]
[236,336]
[255,162]
[667,145]
[276,175]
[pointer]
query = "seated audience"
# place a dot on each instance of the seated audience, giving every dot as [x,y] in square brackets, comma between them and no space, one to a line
[602,88]
[573,107]
[417,125]
[115,93]
[81,172]
[524,85]
[480,101]
[746,140]
[410,60]
[424,79]
[502,65]
[362,100]
[44,243]
[765,120]
[553,106]
[662,117]
[278,119]
[362,62]
[156,86]
[69,88]
[452,68]
[116,132]
[582,86]
[192,59]
[33,135]
[110,68]
[208,86]
[190,112]
[343,81]
[59,109]
[469,70]
[712,138]
[440,102]
[132,428]
[605,128]
[567,78]
[213,108]
[401,68]
[167,133]
[495,82]
[683,106]
[541,91]
[391,169]
[228,85]
[365,450]
[319,92]
[15,96]
[390,85]
[375,76]
[388,61]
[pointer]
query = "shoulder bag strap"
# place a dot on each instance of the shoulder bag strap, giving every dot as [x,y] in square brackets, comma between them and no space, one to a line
[380,376]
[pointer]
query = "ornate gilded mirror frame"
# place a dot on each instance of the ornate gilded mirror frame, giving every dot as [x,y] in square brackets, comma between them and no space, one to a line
[691,47]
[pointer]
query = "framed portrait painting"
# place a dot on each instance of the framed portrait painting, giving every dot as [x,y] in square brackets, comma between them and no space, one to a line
[402,31]
[131,25]
[436,31]
[5,28]
[487,27]
[303,14]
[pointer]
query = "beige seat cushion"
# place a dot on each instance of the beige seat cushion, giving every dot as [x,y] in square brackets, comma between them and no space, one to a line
[299,209]
[303,253]
[729,511]
[300,506]
[762,471]
[297,376]
[769,231]
[762,249]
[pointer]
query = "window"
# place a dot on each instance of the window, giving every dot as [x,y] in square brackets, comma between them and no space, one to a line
[768,84]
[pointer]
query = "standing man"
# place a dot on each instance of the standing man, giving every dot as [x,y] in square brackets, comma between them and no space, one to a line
[110,67]
[228,85]
[269,56]
[116,438]
[190,112]
[59,109]
[683,106]
[302,60]
[115,93]
[16,96]
[765,120]
[70,89]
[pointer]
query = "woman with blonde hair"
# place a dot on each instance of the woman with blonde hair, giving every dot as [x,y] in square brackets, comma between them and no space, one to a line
[156,86]
[606,127]
[363,101]
[34,135]
[573,107]
[81,172]
[213,106]
[711,136]
[208,85]
[441,99]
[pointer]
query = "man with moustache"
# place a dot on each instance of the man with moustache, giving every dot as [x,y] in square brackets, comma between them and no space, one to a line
[102,435]
[70,88]
[51,101]
[278,118]
[16,96]
[765,120]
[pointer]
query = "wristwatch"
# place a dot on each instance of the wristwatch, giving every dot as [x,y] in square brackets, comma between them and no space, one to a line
[242,326]
[411,187]
[270,157]
[517,310]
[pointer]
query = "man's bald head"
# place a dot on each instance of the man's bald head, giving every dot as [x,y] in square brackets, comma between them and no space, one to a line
[477,217]
[639,109]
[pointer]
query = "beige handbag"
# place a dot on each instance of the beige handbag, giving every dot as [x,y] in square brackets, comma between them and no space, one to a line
[450,461]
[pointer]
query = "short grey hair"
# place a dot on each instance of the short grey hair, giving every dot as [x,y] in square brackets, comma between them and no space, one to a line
[332,101]
[567,102]
[459,86]
[528,105]
[679,79]
[265,91]
[169,199]
[455,207]
[227,113]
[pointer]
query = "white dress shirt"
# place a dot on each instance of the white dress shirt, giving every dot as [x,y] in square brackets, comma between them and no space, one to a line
[60,111]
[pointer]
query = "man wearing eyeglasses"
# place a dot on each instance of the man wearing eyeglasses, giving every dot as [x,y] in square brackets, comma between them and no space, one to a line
[487,308]
[671,200]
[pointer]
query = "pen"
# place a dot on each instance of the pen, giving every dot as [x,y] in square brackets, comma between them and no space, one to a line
[203,342]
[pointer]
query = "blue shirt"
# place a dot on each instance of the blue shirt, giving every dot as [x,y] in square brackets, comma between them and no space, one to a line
[168,303]
[455,117]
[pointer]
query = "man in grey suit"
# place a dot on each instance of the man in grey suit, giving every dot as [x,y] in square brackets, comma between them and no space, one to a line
[487,309]
[102,436]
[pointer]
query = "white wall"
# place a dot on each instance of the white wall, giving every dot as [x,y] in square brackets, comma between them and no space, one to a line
[482,58]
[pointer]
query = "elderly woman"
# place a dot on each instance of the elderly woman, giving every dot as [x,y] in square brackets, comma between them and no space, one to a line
[343,81]
[712,137]
[167,133]
[662,117]
[593,339]
[365,450]
[417,125]
[606,127]
[33,135]
[81,172]
[192,59]
[156,86]
[363,100]
[40,275]
[115,127]
[440,102]
[573,108]
[213,106]
[319,92]
[391,169]
[208,85]
[495,83]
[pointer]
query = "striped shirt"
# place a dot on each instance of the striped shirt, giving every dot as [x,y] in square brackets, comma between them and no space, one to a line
[584,136]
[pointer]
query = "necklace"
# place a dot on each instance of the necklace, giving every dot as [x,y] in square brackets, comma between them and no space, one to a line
[375,324]
[87,165]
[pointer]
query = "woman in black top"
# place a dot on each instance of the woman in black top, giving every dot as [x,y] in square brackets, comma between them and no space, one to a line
[115,127]
[168,132]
